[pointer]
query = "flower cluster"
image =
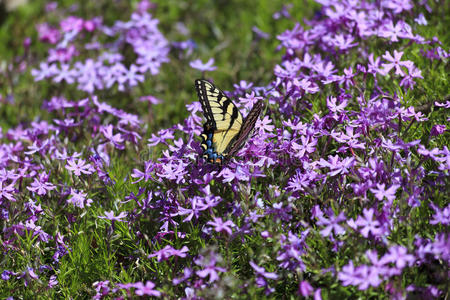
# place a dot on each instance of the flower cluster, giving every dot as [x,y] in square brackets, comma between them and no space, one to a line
[341,188]
[103,65]
[352,151]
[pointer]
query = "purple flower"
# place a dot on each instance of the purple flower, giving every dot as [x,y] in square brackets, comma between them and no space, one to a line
[306,86]
[102,289]
[150,99]
[45,71]
[243,85]
[408,80]
[380,192]
[318,294]
[421,20]
[433,153]
[293,249]
[71,23]
[331,224]
[263,125]
[196,207]
[260,34]
[308,145]
[440,216]
[369,224]
[397,6]
[305,289]
[336,165]
[229,175]
[260,271]
[78,198]
[369,277]
[64,155]
[334,107]
[110,216]
[283,12]
[393,32]
[32,274]
[79,166]
[187,273]
[37,147]
[342,42]
[37,230]
[210,268]
[41,185]
[89,79]
[250,99]
[66,74]
[52,282]
[162,136]
[132,77]
[261,276]
[399,256]
[6,274]
[6,191]
[221,226]
[168,251]
[437,130]
[90,25]
[146,175]
[362,276]
[116,139]
[208,66]
[347,78]
[374,65]
[51,6]
[48,34]
[144,5]
[63,55]
[174,170]
[394,62]
[147,289]
[300,181]
[33,208]
[347,275]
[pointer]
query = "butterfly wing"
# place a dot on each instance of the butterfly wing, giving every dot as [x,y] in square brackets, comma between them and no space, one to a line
[225,131]
[247,127]
[223,118]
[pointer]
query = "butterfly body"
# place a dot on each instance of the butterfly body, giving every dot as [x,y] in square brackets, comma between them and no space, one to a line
[225,130]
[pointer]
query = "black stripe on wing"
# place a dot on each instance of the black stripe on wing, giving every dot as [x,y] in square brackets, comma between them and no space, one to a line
[218,97]
[247,127]
[202,96]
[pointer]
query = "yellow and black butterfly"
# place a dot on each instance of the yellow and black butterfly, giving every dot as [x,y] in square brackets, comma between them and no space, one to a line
[225,131]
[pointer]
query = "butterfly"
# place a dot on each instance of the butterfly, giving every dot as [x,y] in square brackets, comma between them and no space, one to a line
[225,130]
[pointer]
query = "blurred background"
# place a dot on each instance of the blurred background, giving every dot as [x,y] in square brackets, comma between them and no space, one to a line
[239,35]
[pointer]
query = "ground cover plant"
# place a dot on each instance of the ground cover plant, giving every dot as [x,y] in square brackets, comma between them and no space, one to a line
[340,193]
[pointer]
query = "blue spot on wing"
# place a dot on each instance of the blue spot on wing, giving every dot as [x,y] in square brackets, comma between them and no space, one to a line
[210,153]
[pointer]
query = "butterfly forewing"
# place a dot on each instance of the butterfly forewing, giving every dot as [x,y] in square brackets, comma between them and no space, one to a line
[201,87]
[217,107]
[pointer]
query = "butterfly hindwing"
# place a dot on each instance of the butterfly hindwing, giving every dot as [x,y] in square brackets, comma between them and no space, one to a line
[225,130]
[247,128]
